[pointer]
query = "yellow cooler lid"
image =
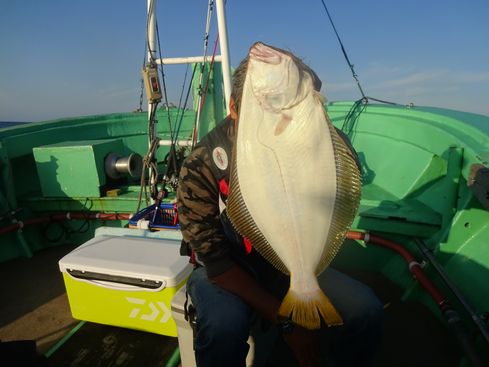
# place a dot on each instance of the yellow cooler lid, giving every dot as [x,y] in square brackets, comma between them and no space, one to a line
[128,258]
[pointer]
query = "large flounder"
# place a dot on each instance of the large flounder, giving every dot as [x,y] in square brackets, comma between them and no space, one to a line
[294,187]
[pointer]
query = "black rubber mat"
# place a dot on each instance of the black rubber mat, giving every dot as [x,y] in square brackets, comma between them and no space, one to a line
[95,345]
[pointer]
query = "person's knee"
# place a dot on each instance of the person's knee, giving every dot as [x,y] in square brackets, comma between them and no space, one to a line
[368,312]
[374,309]
[228,323]
[224,332]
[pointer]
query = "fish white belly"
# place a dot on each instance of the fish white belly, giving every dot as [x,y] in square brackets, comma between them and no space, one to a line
[288,181]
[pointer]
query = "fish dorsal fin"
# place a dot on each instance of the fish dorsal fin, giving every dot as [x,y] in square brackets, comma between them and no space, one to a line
[244,224]
[348,192]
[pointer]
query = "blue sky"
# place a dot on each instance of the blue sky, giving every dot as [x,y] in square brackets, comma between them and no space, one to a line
[62,58]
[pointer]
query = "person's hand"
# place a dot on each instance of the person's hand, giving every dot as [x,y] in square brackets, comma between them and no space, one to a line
[304,345]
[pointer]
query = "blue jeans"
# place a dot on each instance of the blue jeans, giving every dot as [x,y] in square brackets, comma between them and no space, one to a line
[224,323]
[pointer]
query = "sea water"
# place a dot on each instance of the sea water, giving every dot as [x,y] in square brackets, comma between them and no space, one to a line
[4,124]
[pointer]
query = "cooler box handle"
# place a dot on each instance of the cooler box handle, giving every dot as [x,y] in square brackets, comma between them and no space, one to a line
[117,282]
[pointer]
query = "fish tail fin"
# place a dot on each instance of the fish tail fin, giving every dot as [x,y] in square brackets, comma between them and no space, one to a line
[306,312]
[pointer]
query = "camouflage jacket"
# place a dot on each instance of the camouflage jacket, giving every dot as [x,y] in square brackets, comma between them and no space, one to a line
[200,198]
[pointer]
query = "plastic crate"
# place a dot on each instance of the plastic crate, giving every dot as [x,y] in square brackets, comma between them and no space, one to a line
[166,217]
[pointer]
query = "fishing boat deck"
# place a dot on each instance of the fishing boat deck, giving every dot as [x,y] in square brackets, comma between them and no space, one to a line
[35,307]
[34,302]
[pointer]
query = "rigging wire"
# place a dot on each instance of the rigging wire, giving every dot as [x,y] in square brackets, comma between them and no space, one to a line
[352,117]
[141,94]
[200,102]
[358,106]
[211,65]
[167,105]
[355,75]
[163,80]
[149,159]
[180,108]
[186,99]
[171,158]
[172,154]
[176,167]
[210,70]
[181,93]
[210,8]
[149,163]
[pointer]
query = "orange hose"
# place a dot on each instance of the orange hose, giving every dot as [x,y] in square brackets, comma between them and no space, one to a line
[414,266]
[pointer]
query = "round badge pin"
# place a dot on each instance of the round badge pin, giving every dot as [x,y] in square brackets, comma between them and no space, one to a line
[220,158]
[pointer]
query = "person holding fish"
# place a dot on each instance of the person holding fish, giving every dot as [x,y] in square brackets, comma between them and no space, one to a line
[264,202]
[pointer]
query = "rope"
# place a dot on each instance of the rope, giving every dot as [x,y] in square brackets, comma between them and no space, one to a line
[382,101]
[355,76]
[353,115]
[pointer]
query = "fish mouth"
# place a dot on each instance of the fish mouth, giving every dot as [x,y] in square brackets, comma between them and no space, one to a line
[265,54]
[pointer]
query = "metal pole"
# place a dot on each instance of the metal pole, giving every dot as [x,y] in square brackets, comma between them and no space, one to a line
[185,60]
[223,44]
[151,34]
[151,31]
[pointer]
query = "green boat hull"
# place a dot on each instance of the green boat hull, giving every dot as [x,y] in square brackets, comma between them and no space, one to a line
[415,161]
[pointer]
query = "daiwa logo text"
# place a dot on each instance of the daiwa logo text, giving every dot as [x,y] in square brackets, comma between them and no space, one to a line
[154,308]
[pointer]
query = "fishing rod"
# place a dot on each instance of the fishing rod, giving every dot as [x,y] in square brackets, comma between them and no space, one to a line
[479,323]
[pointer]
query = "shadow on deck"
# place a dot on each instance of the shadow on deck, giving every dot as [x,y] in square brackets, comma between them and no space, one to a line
[35,307]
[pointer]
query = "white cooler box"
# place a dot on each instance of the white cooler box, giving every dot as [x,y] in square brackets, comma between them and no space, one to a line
[125,281]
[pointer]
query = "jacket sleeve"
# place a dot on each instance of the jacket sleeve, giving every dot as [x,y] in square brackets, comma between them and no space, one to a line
[198,212]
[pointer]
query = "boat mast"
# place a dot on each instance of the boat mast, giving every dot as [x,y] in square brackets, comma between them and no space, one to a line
[151,29]
[223,43]
[151,34]
[224,46]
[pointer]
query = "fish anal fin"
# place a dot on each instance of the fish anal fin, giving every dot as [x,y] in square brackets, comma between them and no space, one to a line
[307,311]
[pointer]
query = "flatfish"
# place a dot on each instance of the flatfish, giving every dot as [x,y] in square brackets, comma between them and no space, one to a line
[295,186]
